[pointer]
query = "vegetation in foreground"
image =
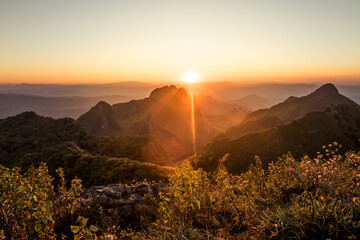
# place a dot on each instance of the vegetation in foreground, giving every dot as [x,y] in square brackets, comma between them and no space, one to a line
[313,198]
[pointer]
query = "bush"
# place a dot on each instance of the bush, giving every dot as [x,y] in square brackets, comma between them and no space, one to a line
[314,198]
[308,199]
[31,209]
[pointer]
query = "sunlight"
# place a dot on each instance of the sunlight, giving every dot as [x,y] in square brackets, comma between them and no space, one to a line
[193,120]
[190,77]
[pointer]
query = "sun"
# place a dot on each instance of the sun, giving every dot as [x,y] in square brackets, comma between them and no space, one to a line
[190,77]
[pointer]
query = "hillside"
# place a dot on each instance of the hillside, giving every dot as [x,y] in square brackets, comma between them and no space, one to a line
[289,110]
[340,123]
[28,139]
[165,115]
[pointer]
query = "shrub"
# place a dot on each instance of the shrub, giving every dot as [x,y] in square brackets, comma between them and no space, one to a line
[309,199]
[31,209]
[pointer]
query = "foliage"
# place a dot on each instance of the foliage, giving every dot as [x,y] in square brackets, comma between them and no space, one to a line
[82,232]
[309,199]
[31,208]
[313,198]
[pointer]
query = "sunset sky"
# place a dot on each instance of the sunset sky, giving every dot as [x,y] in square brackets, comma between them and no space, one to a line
[157,40]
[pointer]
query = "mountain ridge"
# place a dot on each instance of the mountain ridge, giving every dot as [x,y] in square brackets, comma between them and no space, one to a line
[165,115]
[290,109]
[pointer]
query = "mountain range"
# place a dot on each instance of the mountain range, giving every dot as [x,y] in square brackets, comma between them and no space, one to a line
[28,139]
[57,107]
[61,100]
[165,115]
[299,125]
[157,130]
[290,109]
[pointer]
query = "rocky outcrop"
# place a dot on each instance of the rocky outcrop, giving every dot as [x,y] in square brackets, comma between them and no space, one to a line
[119,201]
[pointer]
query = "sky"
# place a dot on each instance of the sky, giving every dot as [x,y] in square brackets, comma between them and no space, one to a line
[88,41]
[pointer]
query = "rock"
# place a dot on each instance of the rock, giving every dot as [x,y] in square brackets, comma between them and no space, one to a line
[101,200]
[119,201]
[157,187]
[142,189]
[135,198]
[127,192]
[125,213]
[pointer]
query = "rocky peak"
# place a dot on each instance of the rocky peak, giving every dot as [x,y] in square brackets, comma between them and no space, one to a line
[291,98]
[327,89]
[103,107]
[159,93]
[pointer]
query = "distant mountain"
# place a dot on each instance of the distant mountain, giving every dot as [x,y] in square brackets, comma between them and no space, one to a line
[57,107]
[254,102]
[28,139]
[300,125]
[132,89]
[165,115]
[340,123]
[220,114]
[290,109]
[229,91]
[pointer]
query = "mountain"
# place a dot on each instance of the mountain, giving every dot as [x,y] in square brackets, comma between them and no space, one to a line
[57,107]
[220,114]
[165,115]
[291,109]
[28,139]
[306,135]
[131,89]
[254,102]
[299,125]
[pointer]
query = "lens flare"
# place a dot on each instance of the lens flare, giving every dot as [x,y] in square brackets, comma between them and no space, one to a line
[190,77]
[193,120]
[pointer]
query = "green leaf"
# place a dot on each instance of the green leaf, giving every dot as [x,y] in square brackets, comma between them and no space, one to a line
[84,222]
[74,229]
[93,228]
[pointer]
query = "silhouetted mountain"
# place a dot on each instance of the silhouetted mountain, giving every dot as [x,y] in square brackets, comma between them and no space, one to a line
[340,123]
[291,109]
[28,139]
[165,115]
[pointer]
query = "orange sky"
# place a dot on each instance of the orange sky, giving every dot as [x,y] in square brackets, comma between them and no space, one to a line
[110,41]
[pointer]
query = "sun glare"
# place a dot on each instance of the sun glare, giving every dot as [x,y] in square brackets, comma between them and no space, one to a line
[190,77]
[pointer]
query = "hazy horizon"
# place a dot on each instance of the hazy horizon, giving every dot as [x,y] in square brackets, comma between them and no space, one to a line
[114,41]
